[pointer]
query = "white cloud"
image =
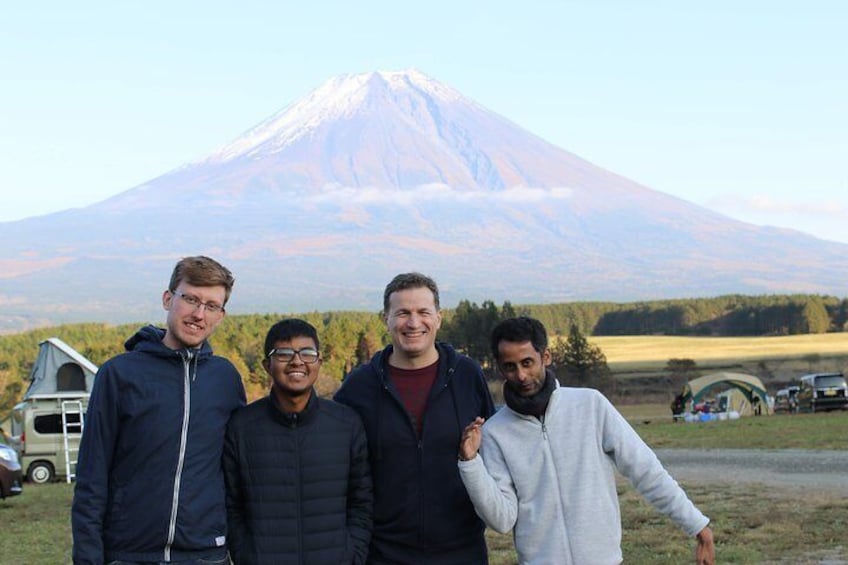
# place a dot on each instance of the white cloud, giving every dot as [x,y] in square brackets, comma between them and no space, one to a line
[436,192]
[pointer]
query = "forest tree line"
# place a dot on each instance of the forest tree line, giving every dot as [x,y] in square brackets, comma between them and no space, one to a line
[351,338]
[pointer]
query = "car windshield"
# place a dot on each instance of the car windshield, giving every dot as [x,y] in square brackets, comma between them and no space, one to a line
[831,380]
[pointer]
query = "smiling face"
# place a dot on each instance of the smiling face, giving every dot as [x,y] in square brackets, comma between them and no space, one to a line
[522,366]
[293,380]
[412,320]
[189,325]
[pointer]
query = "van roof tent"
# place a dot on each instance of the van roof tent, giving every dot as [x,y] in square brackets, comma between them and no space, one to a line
[60,370]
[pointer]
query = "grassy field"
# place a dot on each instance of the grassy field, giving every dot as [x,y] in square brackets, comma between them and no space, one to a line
[827,430]
[629,352]
[752,524]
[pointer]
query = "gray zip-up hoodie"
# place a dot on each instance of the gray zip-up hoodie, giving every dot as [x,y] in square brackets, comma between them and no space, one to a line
[553,480]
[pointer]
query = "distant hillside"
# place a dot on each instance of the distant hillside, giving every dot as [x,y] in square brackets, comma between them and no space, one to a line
[350,338]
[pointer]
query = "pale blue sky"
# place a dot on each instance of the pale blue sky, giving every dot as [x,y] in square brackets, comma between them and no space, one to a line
[740,106]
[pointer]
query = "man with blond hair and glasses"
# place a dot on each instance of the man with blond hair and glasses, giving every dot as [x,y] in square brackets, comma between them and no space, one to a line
[150,487]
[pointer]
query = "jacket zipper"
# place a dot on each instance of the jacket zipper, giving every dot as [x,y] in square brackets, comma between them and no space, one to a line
[544,429]
[175,500]
[422,496]
[419,440]
[419,447]
[299,505]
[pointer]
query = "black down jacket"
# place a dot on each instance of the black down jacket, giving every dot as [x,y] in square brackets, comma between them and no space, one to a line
[298,485]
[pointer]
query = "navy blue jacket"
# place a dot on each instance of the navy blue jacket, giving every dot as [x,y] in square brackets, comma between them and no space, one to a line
[420,504]
[149,484]
[298,484]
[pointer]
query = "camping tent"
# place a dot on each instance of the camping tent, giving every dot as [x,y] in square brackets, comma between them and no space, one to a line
[60,369]
[751,388]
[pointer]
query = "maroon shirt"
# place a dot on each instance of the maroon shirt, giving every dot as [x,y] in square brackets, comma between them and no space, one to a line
[413,386]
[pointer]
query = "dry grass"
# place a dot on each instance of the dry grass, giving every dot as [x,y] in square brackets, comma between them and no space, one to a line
[638,363]
[750,523]
[628,353]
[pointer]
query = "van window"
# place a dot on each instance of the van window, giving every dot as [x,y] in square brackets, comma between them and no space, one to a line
[830,380]
[52,423]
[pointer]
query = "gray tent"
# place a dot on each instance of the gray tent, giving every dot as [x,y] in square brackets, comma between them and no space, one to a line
[60,370]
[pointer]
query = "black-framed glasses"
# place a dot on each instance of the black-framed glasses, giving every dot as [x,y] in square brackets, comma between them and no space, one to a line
[308,355]
[195,303]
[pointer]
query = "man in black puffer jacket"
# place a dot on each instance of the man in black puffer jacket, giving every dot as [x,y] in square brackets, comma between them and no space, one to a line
[296,465]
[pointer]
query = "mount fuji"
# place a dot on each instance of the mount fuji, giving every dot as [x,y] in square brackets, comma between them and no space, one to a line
[318,206]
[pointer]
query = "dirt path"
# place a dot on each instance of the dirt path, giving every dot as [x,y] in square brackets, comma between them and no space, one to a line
[808,469]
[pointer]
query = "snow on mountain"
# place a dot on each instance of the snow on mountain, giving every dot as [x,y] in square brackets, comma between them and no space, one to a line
[380,130]
[340,98]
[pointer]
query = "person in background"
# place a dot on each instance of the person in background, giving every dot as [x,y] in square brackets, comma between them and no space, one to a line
[546,462]
[296,465]
[793,402]
[149,483]
[678,407]
[415,398]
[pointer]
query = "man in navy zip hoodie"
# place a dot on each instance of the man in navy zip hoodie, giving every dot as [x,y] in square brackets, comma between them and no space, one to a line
[149,482]
[415,398]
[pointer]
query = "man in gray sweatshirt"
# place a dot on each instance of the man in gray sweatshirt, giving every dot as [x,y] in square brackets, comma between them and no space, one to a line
[546,462]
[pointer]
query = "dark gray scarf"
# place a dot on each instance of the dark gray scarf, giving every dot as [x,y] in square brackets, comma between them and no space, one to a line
[534,405]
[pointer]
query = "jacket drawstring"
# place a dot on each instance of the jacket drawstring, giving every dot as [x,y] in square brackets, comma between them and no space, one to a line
[191,355]
[383,390]
[460,424]
[196,358]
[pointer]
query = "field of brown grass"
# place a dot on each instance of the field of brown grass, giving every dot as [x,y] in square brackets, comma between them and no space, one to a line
[628,353]
[638,362]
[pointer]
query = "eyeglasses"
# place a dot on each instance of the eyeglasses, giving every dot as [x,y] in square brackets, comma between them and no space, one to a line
[195,303]
[308,355]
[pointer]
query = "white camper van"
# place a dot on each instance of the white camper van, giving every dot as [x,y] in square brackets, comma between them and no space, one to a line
[46,431]
[47,425]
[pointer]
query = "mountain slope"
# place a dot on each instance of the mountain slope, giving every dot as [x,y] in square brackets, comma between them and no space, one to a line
[369,175]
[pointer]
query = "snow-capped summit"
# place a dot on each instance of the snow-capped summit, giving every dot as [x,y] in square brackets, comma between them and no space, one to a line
[339,98]
[380,130]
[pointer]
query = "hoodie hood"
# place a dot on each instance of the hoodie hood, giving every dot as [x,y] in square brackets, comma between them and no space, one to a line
[448,358]
[379,367]
[149,339]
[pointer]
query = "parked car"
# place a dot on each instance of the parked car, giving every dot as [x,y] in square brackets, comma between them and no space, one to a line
[823,391]
[786,400]
[10,472]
